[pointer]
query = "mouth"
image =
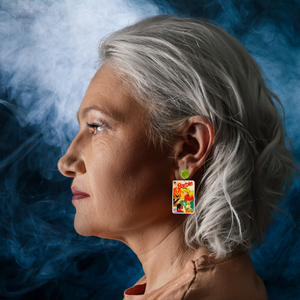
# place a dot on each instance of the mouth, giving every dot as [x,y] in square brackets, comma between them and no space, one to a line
[78,194]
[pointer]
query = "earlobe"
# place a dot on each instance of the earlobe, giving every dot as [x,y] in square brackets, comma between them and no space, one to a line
[193,150]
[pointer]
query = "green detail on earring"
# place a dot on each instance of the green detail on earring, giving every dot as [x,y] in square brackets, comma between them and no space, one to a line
[185,174]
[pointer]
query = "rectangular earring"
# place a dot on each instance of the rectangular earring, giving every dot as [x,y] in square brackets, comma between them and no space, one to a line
[183,195]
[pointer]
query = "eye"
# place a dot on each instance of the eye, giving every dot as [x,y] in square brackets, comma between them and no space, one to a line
[96,127]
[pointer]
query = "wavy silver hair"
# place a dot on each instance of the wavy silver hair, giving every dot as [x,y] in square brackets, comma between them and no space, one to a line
[181,67]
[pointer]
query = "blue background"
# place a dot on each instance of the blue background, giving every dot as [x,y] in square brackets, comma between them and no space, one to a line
[48,55]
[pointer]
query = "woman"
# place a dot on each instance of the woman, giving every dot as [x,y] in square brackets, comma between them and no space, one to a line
[172,94]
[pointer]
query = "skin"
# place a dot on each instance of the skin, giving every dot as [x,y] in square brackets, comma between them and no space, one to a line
[122,173]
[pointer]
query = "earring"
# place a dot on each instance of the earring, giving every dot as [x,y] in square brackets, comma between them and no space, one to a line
[183,194]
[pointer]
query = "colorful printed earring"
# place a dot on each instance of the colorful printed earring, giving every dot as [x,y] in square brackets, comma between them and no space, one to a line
[183,194]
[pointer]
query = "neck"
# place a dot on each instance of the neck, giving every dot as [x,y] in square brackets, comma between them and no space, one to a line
[163,253]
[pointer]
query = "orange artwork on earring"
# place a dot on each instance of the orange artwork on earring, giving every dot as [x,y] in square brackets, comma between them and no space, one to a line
[183,197]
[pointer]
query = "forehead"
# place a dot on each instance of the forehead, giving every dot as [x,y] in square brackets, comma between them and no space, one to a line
[109,93]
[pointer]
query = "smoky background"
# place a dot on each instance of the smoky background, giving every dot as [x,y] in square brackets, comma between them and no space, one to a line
[48,55]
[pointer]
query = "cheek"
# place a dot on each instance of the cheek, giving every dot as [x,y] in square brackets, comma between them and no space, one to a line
[130,182]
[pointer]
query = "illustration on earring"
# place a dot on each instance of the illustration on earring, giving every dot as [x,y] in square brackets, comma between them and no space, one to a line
[183,194]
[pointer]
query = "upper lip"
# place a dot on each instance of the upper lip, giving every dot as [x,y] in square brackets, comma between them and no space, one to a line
[77,191]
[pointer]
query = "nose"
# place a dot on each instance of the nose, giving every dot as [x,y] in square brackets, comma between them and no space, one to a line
[72,163]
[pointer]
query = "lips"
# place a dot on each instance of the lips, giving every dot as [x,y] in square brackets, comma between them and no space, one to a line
[78,194]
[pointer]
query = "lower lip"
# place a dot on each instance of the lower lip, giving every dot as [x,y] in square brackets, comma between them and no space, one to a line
[79,197]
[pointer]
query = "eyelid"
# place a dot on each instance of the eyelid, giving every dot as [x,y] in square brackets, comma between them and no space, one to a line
[94,126]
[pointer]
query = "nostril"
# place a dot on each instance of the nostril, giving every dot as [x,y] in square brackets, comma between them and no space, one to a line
[64,169]
[69,166]
[69,174]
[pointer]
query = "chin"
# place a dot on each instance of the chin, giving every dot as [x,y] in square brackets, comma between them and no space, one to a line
[82,231]
[82,227]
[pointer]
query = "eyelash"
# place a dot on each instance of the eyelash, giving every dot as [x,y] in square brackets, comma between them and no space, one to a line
[95,126]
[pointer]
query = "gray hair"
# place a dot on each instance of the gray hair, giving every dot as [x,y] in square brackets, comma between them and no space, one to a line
[182,67]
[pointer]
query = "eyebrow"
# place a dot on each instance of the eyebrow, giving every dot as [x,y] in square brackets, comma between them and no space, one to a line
[113,113]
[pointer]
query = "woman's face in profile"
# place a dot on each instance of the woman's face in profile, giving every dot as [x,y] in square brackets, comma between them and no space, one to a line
[127,181]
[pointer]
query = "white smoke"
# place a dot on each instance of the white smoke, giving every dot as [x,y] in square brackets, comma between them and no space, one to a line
[49,54]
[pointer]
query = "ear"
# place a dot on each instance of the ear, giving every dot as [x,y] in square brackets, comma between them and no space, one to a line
[193,149]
